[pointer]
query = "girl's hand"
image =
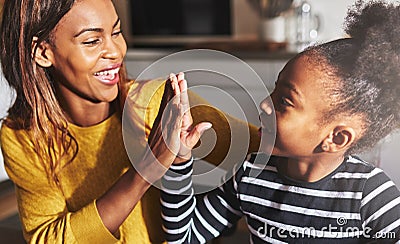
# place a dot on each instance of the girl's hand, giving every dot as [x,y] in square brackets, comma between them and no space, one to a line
[189,135]
[164,139]
[172,136]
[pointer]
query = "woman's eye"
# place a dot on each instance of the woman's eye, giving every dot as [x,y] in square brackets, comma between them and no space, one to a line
[91,42]
[117,33]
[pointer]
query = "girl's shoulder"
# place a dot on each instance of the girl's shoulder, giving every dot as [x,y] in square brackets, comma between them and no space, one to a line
[357,170]
[355,164]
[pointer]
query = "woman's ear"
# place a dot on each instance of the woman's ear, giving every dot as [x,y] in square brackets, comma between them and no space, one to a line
[340,139]
[42,53]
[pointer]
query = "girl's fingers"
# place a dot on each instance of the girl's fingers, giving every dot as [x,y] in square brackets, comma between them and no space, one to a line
[181,76]
[175,87]
[191,138]
[184,95]
[174,83]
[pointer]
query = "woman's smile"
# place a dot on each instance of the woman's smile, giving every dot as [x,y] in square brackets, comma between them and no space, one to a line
[108,76]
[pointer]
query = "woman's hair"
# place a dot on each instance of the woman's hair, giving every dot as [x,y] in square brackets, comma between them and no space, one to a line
[367,67]
[36,107]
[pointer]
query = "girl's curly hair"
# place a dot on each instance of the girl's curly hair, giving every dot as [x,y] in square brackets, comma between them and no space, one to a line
[367,66]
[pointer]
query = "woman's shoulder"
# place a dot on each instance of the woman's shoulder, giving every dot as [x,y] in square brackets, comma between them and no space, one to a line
[146,87]
[145,93]
[20,158]
[9,135]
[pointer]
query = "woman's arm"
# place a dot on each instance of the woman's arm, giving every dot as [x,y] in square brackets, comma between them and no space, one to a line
[44,209]
[43,205]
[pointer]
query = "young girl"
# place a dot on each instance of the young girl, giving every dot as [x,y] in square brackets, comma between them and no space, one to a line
[330,101]
[62,140]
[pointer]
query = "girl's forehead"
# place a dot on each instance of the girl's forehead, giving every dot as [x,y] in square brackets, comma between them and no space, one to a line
[310,78]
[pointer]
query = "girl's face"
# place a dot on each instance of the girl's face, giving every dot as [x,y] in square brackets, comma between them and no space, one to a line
[299,102]
[87,51]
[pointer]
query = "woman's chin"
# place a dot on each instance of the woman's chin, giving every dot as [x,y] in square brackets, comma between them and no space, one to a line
[111,94]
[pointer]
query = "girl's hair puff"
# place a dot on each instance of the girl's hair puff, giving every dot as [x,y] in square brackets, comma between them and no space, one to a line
[367,67]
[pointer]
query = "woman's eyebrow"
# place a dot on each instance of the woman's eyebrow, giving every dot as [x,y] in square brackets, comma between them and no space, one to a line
[88,30]
[95,29]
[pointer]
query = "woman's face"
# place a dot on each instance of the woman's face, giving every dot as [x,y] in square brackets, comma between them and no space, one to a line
[87,52]
[299,102]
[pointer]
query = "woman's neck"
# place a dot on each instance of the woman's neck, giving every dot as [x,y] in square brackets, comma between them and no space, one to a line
[89,115]
[85,113]
[309,170]
[82,111]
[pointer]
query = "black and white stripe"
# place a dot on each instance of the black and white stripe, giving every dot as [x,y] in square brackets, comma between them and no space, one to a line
[354,202]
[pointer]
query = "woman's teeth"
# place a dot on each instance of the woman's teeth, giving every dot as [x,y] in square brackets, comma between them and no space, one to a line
[108,74]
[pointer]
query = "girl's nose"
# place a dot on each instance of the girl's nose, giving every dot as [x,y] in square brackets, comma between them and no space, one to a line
[266,106]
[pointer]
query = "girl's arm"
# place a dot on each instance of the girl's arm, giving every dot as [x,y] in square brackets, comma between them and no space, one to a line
[186,218]
[195,219]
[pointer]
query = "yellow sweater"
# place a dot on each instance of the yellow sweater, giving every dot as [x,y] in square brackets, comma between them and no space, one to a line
[68,214]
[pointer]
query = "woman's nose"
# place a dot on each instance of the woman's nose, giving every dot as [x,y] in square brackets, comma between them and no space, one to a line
[113,49]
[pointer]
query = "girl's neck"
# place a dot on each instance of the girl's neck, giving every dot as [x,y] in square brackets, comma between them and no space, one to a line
[309,170]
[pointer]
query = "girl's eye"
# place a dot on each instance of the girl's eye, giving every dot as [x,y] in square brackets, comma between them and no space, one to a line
[285,102]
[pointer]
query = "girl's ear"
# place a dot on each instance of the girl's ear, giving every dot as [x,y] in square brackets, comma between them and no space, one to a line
[340,139]
[43,55]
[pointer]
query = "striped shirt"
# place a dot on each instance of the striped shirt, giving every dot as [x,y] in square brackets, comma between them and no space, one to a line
[357,203]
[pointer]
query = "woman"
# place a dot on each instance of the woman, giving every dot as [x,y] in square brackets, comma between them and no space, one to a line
[62,141]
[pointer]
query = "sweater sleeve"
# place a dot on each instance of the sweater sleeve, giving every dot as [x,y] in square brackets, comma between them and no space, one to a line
[380,208]
[42,206]
[195,219]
